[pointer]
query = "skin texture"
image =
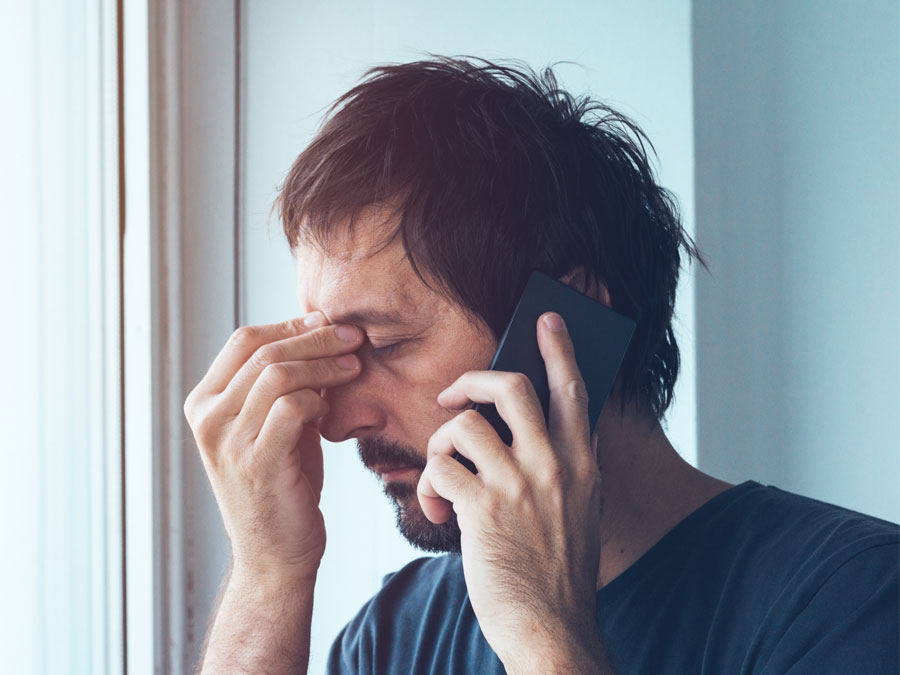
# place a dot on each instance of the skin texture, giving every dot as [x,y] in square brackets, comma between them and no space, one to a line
[394,404]
[545,523]
[392,410]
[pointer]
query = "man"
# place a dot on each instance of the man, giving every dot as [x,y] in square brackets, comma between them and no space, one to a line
[416,216]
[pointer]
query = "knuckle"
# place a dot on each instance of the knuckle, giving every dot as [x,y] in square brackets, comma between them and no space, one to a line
[320,340]
[585,468]
[518,384]
[308,399]
[268,354]
[515,490]
[259,360]
[188,407]
[276,376]
[433,466]
[431,445]
[288,406]
[205,429]
[576,390]
[323,369]
[291,326]
[555,474]
[469,419]
[441,462]
[243,337]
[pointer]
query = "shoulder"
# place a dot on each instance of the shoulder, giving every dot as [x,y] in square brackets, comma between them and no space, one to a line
[797,529]
[827,579]
[836,605]
[413,607]
[758,579]
[753,545]
[792,544]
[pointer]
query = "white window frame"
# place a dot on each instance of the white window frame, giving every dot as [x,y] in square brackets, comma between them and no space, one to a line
[181,264]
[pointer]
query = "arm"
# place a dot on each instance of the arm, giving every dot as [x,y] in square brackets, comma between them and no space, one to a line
[568,655]
[260,625]
[255,419]
[529,518]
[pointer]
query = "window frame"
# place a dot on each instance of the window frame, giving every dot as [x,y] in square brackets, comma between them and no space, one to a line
[180,260]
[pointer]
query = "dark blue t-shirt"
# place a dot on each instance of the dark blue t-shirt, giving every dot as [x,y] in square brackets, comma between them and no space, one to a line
[757,580]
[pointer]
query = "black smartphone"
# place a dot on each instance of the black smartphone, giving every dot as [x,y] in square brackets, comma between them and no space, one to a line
[600,337]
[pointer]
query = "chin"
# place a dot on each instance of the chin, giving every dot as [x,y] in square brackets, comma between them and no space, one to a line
[416,528]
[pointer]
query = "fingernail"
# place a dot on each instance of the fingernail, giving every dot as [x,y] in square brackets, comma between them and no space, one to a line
[348,333]
[554,322]
[315,319]
[347,361]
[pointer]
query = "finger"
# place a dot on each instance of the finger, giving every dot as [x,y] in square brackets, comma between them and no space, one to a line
[568,421]
[279,379]
[309,449]
[281,431]
[245,341]
[515,399]
[474,437]
[445,485]
[313,345]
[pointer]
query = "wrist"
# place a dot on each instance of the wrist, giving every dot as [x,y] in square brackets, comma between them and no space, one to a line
[565,652]
[268,581]
[277,570]
[262,624]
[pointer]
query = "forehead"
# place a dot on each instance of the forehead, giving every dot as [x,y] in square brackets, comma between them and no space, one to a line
[351,278]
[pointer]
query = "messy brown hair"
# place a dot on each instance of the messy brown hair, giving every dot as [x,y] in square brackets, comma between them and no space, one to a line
[491,171]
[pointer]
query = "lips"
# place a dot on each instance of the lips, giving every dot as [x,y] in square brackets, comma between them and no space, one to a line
[387,473]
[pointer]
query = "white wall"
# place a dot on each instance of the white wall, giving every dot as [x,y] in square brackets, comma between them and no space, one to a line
[797,150]
[299,56]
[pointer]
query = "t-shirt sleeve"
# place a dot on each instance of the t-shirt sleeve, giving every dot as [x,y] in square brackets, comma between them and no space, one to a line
[344,655]
[350,652]
[851,624]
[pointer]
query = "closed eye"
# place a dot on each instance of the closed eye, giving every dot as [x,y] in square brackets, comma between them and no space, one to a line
[385,349]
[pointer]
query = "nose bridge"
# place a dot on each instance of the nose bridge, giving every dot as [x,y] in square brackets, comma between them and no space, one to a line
[353,407]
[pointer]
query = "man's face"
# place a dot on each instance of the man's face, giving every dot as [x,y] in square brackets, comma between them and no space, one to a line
[418,344]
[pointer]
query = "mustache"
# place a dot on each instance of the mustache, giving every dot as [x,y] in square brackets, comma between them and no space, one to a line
[377,451]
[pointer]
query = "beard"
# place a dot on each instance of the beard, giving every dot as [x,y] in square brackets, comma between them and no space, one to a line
[412,523]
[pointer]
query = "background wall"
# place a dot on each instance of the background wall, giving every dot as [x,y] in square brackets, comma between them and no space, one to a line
[298,57]
[797,128]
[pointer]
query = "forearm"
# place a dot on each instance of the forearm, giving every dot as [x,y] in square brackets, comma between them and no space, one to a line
[577,658]
[261,625]
[574,661]
[560,651]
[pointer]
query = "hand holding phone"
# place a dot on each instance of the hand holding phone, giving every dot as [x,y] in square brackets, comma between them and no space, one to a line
[600,337]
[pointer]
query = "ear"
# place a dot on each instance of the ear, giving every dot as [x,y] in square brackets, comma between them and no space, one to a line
[577,279]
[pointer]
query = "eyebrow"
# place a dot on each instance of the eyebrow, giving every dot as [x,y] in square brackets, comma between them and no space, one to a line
[372,317]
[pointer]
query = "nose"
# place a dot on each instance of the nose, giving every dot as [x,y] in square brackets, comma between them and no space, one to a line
[354,410]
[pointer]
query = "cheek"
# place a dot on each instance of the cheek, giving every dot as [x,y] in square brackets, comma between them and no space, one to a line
[409,384]
[409,389]
[474,354]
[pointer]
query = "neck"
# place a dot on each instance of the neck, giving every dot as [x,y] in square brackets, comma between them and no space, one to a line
[647,488]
